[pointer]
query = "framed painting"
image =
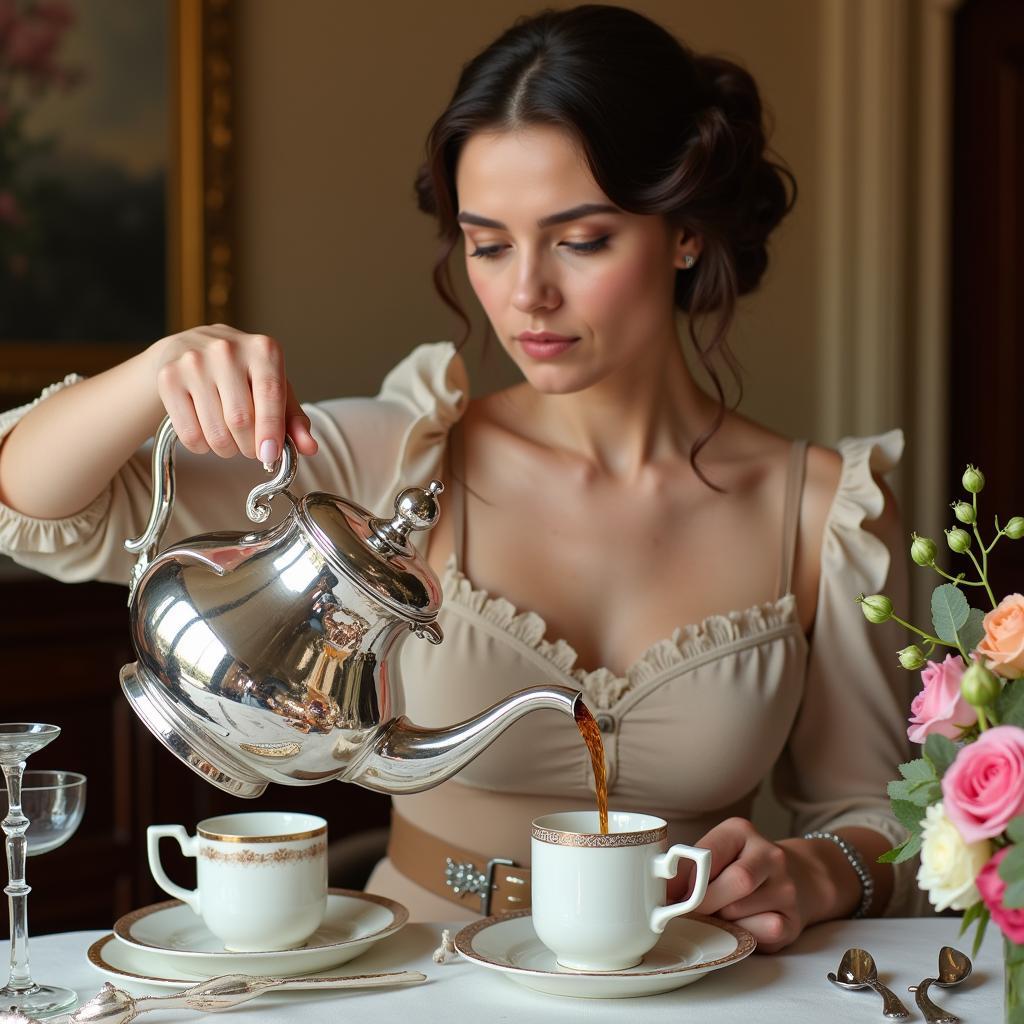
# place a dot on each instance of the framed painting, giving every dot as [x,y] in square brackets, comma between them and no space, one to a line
[115,180]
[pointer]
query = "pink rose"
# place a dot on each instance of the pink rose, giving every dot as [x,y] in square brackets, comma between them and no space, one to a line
[1004,637]
[984,786]
[992,888]
[940,707]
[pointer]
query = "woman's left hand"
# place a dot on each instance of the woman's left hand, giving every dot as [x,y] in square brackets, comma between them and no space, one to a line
[763,886]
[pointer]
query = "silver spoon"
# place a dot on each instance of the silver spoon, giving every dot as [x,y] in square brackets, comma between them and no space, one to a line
[112,1005]
[954,967]
[857,970]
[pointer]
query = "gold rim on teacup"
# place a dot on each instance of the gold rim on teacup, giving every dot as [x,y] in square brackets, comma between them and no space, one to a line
[595,840]
[287,838]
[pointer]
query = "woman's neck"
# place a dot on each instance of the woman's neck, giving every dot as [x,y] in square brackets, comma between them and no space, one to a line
[648,412]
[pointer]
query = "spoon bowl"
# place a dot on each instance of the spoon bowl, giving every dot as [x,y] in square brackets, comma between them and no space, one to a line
[954,967]
[857,970]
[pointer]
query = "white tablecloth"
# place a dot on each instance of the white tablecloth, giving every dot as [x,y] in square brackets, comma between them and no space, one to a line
[789,988]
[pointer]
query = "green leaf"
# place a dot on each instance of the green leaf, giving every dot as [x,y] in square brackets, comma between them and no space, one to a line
[1015,829]
[918,770]
[902,852]
[949,611]
[922,793]
[970,914]
[973,630]
[1011,868]
[980,933]
[1013,898]
[1010,705]
[941,751]
[908,814]
[911,848]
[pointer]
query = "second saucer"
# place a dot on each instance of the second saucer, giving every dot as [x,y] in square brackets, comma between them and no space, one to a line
[353,922]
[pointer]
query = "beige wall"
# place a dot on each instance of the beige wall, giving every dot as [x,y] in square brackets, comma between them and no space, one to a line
[334,102]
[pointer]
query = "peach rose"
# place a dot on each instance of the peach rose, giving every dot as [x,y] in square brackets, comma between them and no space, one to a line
[1003,645]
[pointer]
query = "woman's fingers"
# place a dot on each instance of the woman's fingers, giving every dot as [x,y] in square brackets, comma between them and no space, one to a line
[772,930]
[228,392]
[736,883]
[178,403]
[270,392]
[298,426]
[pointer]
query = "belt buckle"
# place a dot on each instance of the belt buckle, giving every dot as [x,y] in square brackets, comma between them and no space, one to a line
[462,876]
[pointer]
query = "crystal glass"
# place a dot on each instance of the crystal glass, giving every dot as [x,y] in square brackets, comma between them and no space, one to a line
[56,801]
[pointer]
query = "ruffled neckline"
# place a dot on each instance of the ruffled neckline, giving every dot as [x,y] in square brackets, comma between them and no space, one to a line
[603,688]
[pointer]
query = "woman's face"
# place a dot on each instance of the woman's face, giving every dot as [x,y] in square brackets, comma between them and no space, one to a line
[575,288]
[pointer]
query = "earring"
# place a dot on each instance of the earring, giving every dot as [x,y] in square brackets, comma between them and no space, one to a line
[688,261]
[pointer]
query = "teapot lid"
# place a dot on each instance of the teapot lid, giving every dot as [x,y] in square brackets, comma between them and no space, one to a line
[376,554]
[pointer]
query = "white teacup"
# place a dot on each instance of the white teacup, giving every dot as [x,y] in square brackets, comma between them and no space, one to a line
[262,876]
[599,900]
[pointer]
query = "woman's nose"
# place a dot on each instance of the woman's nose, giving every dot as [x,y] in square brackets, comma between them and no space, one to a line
[534,289]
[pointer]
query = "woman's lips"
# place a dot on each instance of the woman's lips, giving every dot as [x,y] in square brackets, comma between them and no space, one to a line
[543,345]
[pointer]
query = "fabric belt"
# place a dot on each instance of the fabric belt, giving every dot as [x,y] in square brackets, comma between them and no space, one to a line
[488,885]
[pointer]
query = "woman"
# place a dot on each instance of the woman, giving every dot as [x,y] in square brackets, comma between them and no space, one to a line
[603,179]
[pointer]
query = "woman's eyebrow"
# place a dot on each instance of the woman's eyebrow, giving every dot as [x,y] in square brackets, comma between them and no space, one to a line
[575,213]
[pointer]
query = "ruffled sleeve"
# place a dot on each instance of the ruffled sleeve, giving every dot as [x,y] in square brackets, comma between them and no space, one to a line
[850,734]
[369,449]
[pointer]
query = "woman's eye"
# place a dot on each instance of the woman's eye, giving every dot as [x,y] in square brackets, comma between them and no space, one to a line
[487,252]
[583,248]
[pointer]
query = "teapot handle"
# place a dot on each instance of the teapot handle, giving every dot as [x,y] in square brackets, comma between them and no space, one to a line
[257,505]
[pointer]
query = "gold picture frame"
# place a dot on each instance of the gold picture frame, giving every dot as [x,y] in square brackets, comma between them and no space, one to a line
[198,206]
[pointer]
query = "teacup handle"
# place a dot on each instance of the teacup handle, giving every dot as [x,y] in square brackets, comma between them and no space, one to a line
[665,866]
[189,847]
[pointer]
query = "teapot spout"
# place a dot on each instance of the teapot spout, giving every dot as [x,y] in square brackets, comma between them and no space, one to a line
[409,758]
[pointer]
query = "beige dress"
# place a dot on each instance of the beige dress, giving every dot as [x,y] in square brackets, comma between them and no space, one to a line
[691,729]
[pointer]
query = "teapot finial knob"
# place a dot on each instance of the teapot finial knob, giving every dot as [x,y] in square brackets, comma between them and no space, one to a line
[416,508]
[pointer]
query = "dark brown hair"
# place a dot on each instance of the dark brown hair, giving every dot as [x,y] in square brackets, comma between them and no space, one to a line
[663,130]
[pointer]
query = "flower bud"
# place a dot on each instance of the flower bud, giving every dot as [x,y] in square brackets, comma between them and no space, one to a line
[923,550]
[912,658]
[964,511]
[958,540]
[979,685]
[973,480]
[877,608]
[1014,529]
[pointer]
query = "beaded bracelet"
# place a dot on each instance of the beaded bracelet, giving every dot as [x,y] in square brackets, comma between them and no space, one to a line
[867,883]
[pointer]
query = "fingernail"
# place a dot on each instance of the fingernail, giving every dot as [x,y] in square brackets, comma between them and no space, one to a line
[268,453]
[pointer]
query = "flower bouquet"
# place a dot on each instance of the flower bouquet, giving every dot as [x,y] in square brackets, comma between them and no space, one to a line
[963,801]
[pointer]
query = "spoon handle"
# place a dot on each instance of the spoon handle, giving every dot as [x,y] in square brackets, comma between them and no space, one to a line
[892,1007]
[932,1014]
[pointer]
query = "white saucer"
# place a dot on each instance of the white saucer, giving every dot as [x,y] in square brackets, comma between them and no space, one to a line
[690,947]
[123,963]
[172,932]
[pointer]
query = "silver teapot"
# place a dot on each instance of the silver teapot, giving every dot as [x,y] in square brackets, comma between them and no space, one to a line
[273,656]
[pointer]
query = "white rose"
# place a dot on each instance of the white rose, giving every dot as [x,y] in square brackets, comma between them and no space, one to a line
[949,866]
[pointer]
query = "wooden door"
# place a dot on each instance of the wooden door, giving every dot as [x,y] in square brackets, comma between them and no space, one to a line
[987,361]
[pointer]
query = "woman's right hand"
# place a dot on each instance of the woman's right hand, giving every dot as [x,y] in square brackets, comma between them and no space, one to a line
[227,392]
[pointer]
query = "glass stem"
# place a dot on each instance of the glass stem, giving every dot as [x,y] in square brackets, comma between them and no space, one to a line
[15,825]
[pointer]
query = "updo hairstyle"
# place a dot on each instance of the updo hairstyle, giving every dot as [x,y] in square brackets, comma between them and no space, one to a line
[663,130]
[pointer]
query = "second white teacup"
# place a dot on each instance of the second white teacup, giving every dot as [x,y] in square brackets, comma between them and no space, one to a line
[599,900]
[262,876]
